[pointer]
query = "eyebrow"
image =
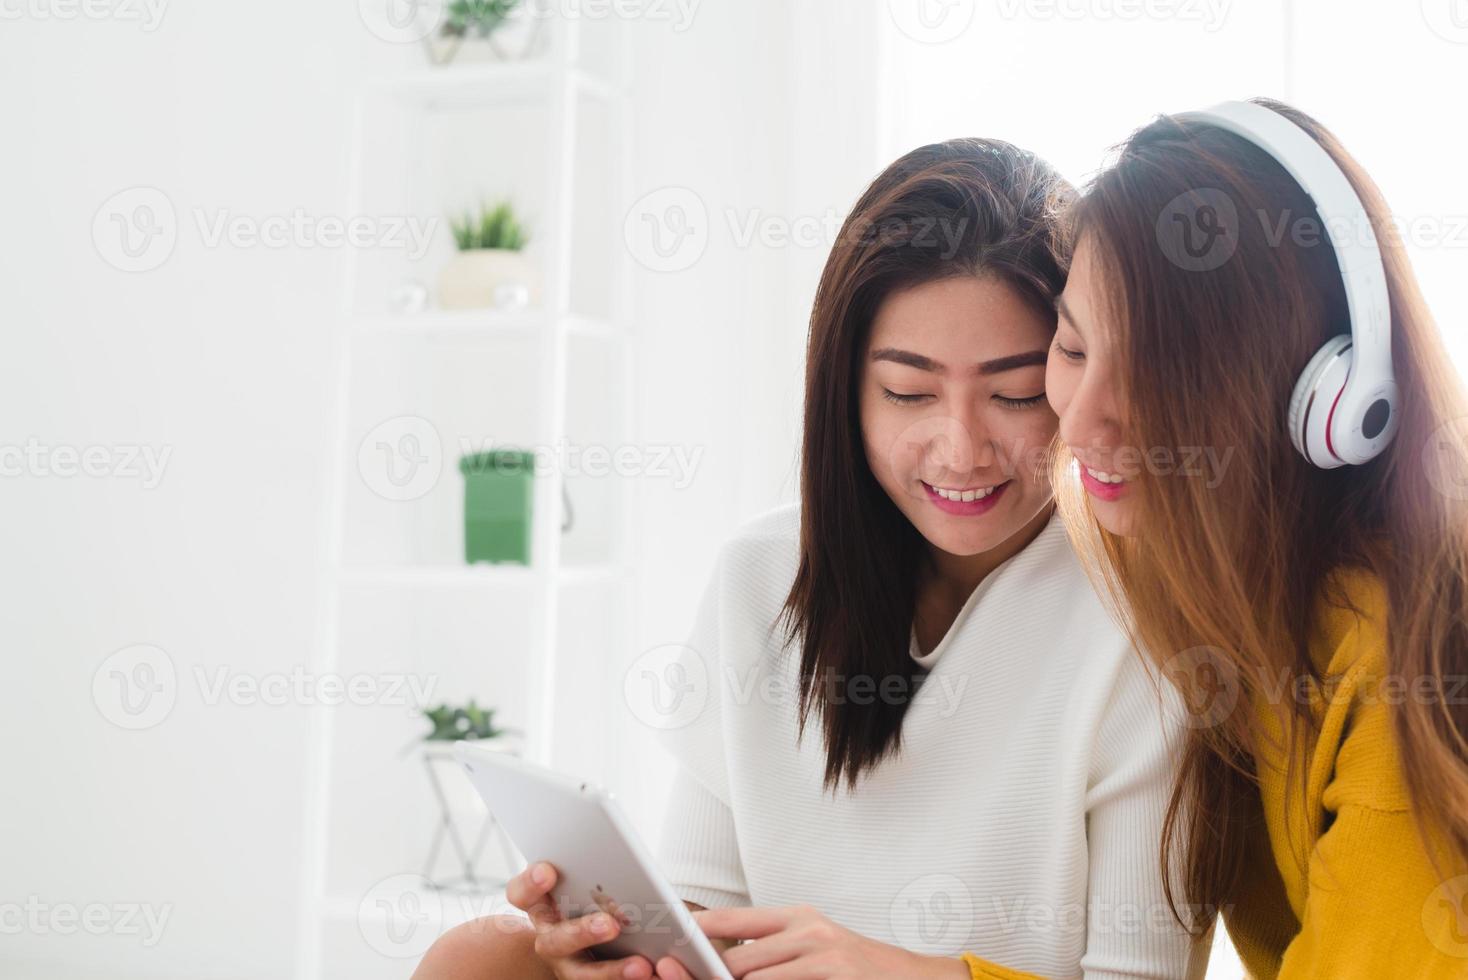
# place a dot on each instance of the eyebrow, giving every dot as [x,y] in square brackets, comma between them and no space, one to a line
[999,365]
[1064,311]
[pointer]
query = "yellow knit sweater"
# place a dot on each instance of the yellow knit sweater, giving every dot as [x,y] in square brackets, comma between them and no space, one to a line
[1338,885]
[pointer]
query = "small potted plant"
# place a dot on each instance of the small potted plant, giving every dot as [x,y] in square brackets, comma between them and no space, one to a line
[488,30]
[491,268]
[467,723]
[461,826]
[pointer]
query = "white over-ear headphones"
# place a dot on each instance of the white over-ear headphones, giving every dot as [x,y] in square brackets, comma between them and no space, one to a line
[1344,408]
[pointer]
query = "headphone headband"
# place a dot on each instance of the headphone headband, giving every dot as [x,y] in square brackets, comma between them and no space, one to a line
[1367,400]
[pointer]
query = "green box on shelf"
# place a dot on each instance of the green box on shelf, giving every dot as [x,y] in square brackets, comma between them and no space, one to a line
[498,489]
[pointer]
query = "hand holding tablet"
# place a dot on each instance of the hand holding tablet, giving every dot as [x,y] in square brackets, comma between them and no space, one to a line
[601,867]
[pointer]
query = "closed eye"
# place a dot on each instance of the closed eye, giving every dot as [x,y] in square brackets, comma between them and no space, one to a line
[1068,354]
[1020,403]
[893,396]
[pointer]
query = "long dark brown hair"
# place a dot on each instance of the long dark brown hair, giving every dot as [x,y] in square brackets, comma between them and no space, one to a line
[966,207]
[1245,567]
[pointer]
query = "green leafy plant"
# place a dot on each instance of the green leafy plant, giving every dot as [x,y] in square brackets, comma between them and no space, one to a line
[496,227]
[477,17]
[450,724]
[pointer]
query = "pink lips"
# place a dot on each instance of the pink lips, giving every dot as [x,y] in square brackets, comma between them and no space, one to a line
[970,508]
[1099,490]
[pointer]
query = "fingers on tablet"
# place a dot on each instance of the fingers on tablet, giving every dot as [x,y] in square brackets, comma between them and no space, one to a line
[631,968]
[671,969]
[526,892]
[574,936]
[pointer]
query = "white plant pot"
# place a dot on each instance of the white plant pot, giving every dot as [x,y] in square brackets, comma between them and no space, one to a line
[488,278]
[462,50]
[524,34]
[520,37]
[465,805]
[468,814]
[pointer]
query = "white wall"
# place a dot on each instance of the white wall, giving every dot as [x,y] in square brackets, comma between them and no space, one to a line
[1389,79]
[217,357]
[1066,79]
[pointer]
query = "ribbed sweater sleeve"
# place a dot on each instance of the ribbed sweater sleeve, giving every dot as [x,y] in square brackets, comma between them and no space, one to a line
[699,851]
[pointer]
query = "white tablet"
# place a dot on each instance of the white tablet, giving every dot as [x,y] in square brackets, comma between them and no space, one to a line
[579,828]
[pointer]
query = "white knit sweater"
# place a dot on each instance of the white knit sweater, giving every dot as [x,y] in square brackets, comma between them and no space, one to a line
[1020,821]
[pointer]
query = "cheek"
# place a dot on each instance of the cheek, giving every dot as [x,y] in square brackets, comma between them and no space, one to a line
[1024,436]
[908,445]
[1060,383]
[879,431]
[1023,427]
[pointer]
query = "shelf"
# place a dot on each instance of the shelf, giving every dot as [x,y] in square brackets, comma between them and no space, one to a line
[473,576]
[418,140]
[593,328]
[452,324]
[511,82]
[589,574]
[439,323]
[438,576]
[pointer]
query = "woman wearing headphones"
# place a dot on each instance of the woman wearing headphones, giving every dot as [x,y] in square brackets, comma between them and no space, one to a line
[911,741]
[1311,598]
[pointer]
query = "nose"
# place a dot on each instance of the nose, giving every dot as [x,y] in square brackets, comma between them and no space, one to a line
[1092,418]
[963,443]
[984,451]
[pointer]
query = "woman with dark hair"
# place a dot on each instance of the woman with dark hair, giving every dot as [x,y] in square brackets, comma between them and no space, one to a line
[912,742]
[1314,613]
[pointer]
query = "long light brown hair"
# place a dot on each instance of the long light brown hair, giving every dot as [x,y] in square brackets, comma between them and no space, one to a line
[1239,564]
[967,207]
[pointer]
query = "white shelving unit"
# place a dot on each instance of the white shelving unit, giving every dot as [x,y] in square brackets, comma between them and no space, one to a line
[539,111]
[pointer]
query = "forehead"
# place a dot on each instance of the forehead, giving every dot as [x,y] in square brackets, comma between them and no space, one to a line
[958,319]
[1079,300]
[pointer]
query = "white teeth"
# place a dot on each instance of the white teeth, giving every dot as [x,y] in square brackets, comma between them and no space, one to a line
[963,495]
[1105,477]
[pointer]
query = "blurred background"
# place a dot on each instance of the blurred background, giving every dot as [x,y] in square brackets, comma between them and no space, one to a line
[381,370]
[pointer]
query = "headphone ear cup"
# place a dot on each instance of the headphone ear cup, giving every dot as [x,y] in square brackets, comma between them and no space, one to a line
[1314,396]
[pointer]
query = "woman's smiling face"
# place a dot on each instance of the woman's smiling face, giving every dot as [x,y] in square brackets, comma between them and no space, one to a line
[1081,381]
[953,411]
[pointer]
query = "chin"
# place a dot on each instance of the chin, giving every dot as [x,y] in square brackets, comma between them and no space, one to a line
[965,536]
[1116,516]
[964,542]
